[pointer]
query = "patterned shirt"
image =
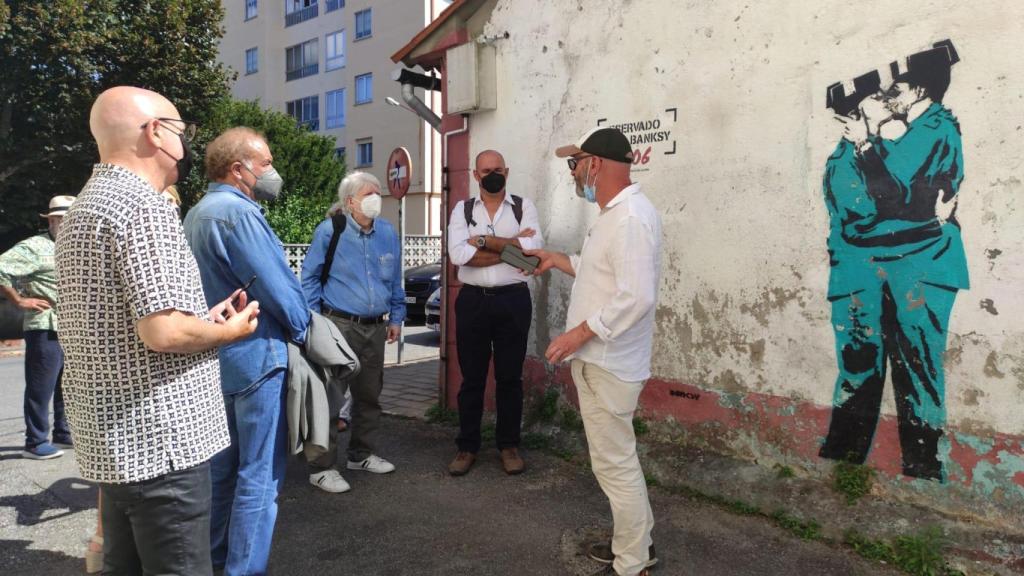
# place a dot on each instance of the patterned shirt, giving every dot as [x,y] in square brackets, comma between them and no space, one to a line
[30,265]
[136,414]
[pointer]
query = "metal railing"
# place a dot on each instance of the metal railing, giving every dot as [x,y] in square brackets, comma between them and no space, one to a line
[300,15]
[335,5]
[418,250]
[307,70]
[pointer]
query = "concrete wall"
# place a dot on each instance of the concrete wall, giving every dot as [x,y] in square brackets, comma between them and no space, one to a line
[745,349]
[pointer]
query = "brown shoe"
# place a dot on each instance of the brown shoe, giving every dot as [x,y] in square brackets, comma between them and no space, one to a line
[511,461]
[462,463]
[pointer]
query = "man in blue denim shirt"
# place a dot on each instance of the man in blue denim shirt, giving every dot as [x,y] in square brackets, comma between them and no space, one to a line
[363,295]
[233,243]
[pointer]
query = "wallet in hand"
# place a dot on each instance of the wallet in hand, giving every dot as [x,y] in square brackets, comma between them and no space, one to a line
[513,256]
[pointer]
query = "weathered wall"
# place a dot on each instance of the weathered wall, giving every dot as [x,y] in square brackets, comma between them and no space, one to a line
[745,349]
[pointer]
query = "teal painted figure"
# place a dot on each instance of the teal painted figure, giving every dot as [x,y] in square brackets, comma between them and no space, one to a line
[897,259]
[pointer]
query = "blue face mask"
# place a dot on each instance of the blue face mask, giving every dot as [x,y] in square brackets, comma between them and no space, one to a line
[589,190]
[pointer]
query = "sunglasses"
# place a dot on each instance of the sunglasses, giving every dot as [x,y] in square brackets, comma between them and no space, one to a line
[573,162]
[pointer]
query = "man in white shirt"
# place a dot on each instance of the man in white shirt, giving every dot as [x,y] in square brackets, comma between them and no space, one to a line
[610,333]
[493,310]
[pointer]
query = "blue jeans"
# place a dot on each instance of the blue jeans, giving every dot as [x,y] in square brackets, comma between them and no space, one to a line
[44,364]
[247,477]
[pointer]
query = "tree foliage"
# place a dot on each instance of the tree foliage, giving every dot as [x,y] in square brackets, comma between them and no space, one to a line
[57,56]
[305,160]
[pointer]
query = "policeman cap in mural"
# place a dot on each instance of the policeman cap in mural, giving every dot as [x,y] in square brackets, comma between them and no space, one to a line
[928,68]
[606,143]
[863,86]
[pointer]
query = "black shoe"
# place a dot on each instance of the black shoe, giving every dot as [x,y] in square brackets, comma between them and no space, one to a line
[63,441]
[602,553]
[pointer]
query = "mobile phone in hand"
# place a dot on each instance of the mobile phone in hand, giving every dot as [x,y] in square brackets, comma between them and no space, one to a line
[245,288]
[513,256]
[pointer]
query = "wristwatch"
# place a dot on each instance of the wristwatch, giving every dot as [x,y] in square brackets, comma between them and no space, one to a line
[481,241]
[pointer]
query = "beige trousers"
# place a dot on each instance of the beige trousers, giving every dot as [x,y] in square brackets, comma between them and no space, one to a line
[607,405]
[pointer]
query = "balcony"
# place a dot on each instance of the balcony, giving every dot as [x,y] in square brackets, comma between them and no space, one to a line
[302,72]
[333,5]
[299,16]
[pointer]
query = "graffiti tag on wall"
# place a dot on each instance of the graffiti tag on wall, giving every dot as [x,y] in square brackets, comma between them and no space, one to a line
[896,255]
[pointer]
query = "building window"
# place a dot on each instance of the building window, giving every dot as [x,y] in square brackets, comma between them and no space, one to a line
[250,9]
[335,50]
[306,112]
[364,88]
[364,153]
[339,153]
[301,60]
[252,65]
[336,108]
[333,5]
[296,11]
[364,24]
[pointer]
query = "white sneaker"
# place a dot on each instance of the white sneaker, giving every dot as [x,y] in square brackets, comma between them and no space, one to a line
[329,481]
[374,464]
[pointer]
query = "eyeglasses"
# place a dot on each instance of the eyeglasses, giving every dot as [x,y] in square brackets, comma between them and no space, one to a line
[189,132]
[573,162]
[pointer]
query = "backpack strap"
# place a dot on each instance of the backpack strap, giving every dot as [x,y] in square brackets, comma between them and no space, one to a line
[517,208]
[467,208]
[338,222]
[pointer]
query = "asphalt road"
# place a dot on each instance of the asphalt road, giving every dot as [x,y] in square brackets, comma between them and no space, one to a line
[417,521]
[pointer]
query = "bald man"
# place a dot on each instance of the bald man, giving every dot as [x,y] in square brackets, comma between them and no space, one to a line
[493,310]
[141,380]
[233,244]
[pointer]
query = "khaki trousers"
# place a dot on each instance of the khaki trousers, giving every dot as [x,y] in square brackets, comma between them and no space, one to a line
[607,405]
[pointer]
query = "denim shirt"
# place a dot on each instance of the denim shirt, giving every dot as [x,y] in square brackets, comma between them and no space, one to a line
[366,275]
[232,242]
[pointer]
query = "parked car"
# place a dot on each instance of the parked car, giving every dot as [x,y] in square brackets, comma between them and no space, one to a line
[420,283]
[433,308]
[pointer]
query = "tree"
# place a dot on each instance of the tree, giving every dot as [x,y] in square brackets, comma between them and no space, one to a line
[57,56]
[306,162]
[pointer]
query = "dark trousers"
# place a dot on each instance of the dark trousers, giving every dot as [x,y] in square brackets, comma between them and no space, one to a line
[159,526]
[491,322]
[367,341]
[44,364]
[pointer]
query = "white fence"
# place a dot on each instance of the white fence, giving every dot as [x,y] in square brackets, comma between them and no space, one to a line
[418,250]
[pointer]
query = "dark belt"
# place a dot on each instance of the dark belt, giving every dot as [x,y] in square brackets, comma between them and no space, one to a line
[328,311]
[495,290]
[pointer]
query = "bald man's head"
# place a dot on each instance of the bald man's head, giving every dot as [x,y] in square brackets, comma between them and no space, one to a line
[490,158]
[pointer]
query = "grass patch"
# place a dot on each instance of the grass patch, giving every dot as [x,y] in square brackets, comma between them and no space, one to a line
[650,479]
[536,441]
[782,472]
[639,426]
[920,554]
[803,529]
[487,432]
[563,453]
[437,415]
[571,420]
[545,408]
[853,481]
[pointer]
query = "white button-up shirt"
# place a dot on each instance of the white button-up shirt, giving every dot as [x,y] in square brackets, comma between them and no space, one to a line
[504,225]
[616,286]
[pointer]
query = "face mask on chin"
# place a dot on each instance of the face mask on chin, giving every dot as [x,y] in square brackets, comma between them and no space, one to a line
[589,191]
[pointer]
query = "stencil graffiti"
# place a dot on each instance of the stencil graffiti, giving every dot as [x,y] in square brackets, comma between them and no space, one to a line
[896,256]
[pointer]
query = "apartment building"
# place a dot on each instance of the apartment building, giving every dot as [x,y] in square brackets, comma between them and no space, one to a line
[326,62]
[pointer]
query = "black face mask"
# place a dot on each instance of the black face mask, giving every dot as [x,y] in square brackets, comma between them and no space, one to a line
[184,164]
[493,182]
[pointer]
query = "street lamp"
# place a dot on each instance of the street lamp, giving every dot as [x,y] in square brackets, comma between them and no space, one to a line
[394,102]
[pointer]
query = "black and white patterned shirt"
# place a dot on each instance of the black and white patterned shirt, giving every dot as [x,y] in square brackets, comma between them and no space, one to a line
[135,414]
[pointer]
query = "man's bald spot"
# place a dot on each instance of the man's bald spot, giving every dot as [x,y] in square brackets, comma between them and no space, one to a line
[118,114]
[490,154]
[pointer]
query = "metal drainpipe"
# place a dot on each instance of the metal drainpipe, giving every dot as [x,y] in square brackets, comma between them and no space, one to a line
[410,81]
[445,187]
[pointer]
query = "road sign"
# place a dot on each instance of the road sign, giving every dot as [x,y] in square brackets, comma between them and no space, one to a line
[399,172]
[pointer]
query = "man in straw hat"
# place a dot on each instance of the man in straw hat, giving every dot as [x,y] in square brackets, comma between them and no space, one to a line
[30,264]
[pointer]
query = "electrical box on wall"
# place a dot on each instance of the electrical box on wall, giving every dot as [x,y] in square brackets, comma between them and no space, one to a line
[471,79]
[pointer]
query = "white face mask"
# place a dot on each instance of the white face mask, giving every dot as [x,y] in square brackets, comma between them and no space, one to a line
[370,206]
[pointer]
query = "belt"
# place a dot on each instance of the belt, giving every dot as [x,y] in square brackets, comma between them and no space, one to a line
[495,290]
[328,311]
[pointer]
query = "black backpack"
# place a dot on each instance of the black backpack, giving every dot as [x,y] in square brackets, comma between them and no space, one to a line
[517,210]
[339,221]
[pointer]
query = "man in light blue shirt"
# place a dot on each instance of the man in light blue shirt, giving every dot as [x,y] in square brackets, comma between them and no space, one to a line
[362,293]
[233,245]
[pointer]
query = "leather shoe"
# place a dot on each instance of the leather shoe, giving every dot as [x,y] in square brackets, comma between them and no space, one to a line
[511,461]
[462,463]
